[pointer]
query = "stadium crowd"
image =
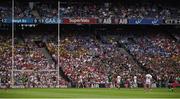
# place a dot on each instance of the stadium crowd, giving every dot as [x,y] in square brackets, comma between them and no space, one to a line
[31,68]
[29,56]
[156,52]
[111,10]
[89,61]
[37,79]
[5,59]
[90,10]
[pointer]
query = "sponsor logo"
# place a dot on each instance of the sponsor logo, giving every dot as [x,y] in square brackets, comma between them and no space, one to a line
[172,21]
[138,21]
[155,21]
[107,21]
[79,20]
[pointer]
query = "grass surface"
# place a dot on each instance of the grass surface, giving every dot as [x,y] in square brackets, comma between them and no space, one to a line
[89,93]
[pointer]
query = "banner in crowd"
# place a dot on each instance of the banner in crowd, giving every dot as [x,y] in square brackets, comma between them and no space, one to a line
[22,20]
[112,21]
[48,21]
[33,21]
[144,21]
[172,21]
[79,21]
[133,21]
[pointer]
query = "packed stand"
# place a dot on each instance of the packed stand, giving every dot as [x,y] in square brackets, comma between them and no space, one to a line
[28,56]
[5,11]
[32,68]
[88,61]
[156,52]
[5,60]
[36,79]
[90,10]
[111,10]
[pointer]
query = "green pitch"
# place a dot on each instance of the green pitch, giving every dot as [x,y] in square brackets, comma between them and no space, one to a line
[88,93]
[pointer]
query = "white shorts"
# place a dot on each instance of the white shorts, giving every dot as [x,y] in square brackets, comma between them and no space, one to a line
[118,82]
[148,82]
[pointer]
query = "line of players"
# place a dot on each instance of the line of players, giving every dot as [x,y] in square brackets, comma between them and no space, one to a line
[134,84]
[129,83]
[148,81]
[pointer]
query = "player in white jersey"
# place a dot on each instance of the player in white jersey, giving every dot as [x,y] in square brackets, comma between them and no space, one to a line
[118,81]
[135,82]
[80,81]
[148,81]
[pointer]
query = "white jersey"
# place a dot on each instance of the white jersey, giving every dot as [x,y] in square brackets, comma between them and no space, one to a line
[148,78]
[80,79]
[118,79]
[31,78]
[135,79]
